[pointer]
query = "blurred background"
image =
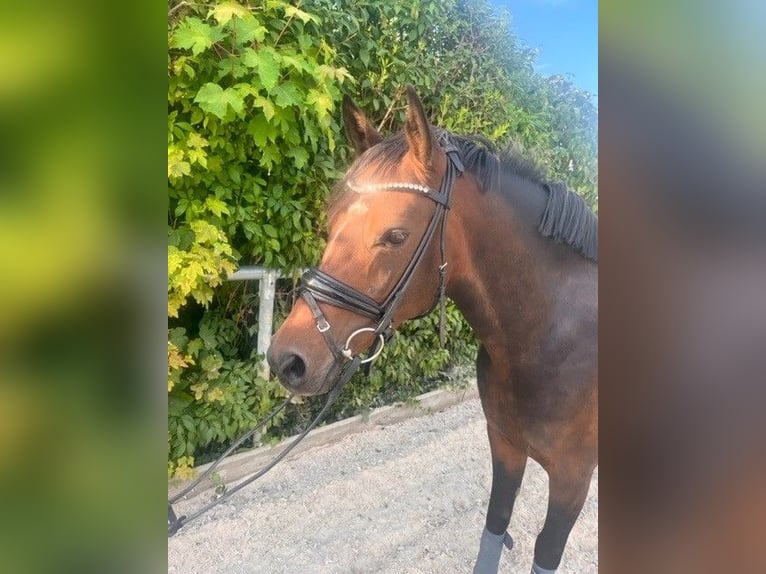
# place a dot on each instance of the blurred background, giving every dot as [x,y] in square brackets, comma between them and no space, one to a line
[82,200]
[682,313]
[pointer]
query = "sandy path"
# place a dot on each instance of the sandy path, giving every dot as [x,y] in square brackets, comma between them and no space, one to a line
[409,498]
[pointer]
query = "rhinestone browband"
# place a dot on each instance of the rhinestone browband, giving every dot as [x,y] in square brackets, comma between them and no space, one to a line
[388,186]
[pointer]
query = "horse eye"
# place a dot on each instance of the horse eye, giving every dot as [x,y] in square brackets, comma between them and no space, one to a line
[395,236]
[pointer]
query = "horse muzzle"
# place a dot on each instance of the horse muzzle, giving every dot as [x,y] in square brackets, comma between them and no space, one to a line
[299,373]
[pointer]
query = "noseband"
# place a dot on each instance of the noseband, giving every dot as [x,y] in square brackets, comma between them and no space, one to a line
[319,287]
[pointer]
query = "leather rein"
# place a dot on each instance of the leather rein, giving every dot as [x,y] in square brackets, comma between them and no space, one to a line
[317,286]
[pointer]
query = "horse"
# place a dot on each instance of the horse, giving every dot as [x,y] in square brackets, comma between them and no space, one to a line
[517,255]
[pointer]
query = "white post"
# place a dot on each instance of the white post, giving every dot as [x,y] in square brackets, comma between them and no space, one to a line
[266,289]
[267,279]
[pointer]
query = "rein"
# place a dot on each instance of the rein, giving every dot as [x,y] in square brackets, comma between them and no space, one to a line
[317,286]
[176,522]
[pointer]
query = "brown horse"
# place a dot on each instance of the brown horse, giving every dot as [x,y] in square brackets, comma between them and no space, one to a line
[519,258]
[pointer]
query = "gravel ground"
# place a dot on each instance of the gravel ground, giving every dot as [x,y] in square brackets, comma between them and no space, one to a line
[404,499]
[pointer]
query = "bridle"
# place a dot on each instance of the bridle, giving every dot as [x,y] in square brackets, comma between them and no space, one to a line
[320,287]
[317,286]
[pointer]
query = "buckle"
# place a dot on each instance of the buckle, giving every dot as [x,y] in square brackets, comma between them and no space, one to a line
[322,325]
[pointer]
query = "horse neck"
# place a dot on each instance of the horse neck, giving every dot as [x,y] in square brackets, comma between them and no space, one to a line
[500,265]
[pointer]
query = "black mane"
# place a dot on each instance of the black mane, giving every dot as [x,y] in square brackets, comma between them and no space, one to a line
[566,219]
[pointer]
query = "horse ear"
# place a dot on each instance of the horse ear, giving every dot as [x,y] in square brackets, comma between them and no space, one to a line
[417,131]
[360,132]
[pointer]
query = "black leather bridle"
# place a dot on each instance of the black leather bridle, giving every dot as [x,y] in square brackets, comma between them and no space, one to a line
[319,287]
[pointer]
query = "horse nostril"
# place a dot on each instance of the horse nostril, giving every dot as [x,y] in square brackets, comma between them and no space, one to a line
[292,369]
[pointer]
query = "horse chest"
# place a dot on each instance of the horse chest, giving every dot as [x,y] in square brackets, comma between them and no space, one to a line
[534,395]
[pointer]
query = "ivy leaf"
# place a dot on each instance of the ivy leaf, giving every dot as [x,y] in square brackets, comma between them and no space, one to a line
[297,61]
[270,156]
[286,95]
[216,206]
[183,205]
[247,29]
[231,66]
[195,140]
[305,41]
[266,63]
[177,167]
[265,105]
[225,11]
[292,11]
[214,99]
[300,155]
[364,56]
[250,228]
[174,259]
[270,230]
[207,334]
[233,174]
[177,402]
[194,347]
[321,101]
[195,34]
[261,130]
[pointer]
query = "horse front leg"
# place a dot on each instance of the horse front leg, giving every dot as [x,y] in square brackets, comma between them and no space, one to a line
[508,464]
[567,490]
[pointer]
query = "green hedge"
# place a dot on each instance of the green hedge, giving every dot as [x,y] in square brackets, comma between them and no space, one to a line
[255,144]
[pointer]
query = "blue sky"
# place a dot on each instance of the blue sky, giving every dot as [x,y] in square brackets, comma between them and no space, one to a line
[564,31]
